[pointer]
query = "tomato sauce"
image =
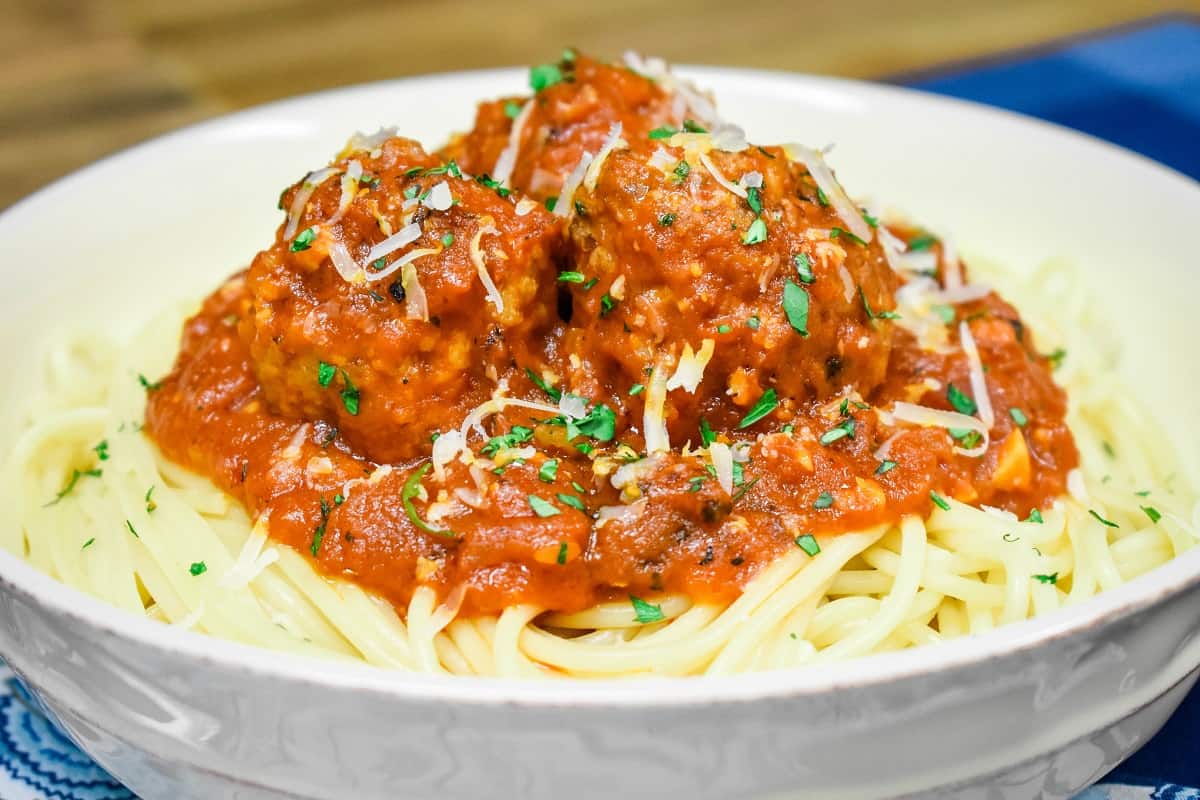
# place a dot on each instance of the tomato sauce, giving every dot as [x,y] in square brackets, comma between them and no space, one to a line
[312,388]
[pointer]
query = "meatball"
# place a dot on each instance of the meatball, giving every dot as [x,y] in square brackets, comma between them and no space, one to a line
[392,344]
[676,243]
[570,116]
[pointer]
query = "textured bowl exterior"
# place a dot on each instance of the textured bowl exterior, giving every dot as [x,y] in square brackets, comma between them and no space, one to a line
[1037,709]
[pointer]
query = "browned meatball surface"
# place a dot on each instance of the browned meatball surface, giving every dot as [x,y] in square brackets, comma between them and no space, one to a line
[392,354]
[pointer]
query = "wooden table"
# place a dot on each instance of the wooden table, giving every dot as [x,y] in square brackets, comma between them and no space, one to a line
[82,78]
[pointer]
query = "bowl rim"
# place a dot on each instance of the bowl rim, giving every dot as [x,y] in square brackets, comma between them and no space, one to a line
[19,578]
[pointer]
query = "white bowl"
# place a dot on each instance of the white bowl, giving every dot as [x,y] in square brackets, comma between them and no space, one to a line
[1036,709]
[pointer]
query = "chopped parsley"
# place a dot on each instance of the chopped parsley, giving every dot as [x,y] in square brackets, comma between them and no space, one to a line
[590,283]
[939,501]
[325,373]
[512,109]
[839,233]
[765,405]
[667,220]
[645,612]
[1106,522]
[663,132]
[577,487]
[843,431]
[303,240]
[756,233]
[550,202]
[147,385]
[349,395]
[804,267]
[538,381]
[197,569]
[885,467]
[707,436]
[795,306]
[808,543]
[607,304]
[1056,358]
[723,328]
[824,500]
[572,501]
[691,126]
[1108,449]
[74,479]
[944,312]
[132,530]
[922,242]
[518,435]
[1051,579]
[548,471]
[101,450]
[1151,512]
[959,401]
[447,239]
[412,489]
[543,76]
[1018,416]
[88,543]
[754,199]
[562,554]
[318,537]
[753,322]
[822,198]
[150,504]
[681,171]
[600,423]
[636,389]
[543,508]
[571,277]
[875,314]
[1036,516]
[493,184]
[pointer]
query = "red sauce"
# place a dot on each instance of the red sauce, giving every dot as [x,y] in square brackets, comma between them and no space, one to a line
[292,381]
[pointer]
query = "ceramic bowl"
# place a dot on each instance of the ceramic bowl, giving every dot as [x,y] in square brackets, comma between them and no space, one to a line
[1036,709]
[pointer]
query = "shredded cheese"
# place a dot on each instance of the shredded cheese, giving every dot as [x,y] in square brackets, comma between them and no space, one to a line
[405,236]
[343,262]
[311,181]
[611,142]
[823,175]
[952,268]
[847,282]
[722,461]
[507,160]
[350,180]
[564,206]
[719,177]
[253,558]
[489,286]
[690,370]
[936,418]
[400,263]
[439,197]
[414,294]
[654,426]
[978,380]
[627,514]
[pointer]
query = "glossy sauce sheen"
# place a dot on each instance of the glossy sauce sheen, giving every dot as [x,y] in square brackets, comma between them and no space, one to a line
[245,404]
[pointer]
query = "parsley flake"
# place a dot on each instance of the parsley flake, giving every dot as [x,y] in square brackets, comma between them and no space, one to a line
[960,402]
[325,373]
[548,471]
[543,76]
[1106,522]
[795,307]
[939,501]
[411,490]
[824,500]
[644,612]
[804,267]
[885,467]
[1151,512]
[572,501]
[756,233]
[1050,579]
[543,508]
[303,240]
[808,543]
[765,405]
[1018,416]
[197,569]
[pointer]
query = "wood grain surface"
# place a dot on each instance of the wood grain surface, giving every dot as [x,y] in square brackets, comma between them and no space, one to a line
[80,79]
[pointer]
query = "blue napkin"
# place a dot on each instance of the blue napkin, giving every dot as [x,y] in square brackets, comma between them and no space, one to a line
[1138,88]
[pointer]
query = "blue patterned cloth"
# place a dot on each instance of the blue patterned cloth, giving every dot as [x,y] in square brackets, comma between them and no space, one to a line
[1138,88]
